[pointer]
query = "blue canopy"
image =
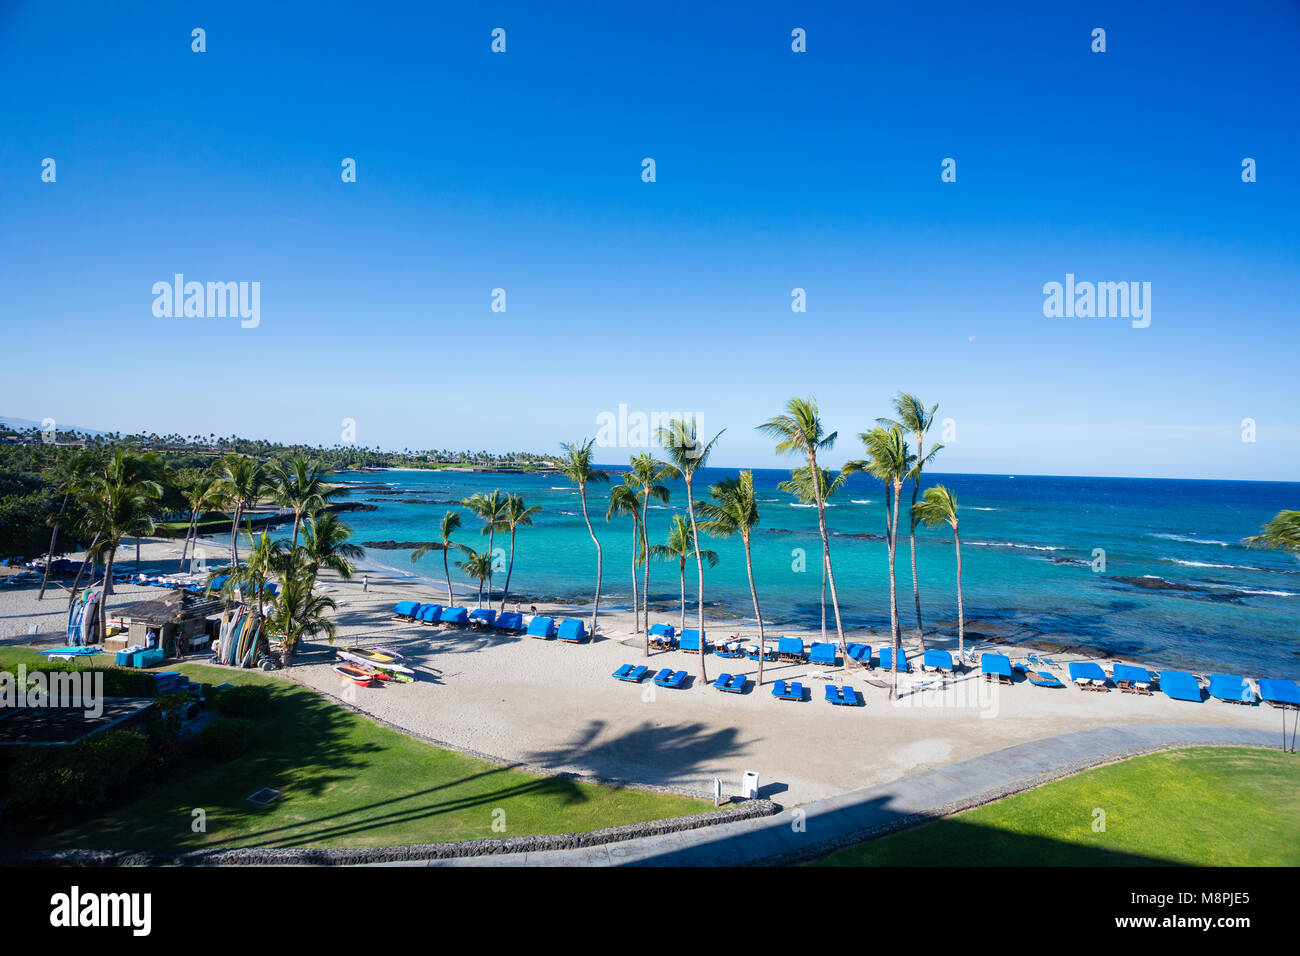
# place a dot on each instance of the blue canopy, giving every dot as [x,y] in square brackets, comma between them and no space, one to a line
[997,664]
[822,653]
[887,659]
[429,613]
[1086,670]
[1231,688]
[1180,686]
[790,645]
[940,659]
[860,652]
[453,615]
[692,640]
[541,627]
[484,614]
[663,630]
[572,629]
[1132,674]
[404,608]
[1277,691]
[510,621]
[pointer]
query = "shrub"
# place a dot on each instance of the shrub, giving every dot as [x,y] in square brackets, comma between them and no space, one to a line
[245,700]
[226,738]
[90,773]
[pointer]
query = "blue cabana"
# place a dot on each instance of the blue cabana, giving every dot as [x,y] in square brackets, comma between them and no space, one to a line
[429,613]
[823,654]
[1231,688]
[692,641]
[1131,674]
[510,621]
[996,666]
[663,630]
[405,608]
[860,653]
[483,615]
[1279,693]
[572,630]
[936,659]
[453,615]
[541,627]
[1086,670]
[1180,686]
[789,648]
[887,659]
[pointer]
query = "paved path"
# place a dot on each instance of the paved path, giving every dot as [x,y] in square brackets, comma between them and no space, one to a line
[815,828]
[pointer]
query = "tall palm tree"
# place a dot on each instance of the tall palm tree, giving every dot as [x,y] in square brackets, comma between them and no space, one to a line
[800,485]
[939,506]
[1279,533]
[491,508]
[680,546]
[300,484]
[516,515]
[645,476]
[450,525]
[266,557]
[799,432]
[325,545]
[240,483]
[687,454]
[201,491]
[299,612]
[734,510]
[890,461]
[478,566]
[623,501]
[915,418]
[67,475]
[576,465]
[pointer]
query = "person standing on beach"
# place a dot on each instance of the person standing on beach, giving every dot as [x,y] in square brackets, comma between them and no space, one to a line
[365,582]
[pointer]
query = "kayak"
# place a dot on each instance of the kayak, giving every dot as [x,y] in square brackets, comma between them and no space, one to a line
[356,655]
[354,673]
[373,655]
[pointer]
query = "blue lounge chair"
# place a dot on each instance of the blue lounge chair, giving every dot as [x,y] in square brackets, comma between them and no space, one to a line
[572,630]
[789,649]
[1279,693]
[692,642]
[887,659]
[429,613]
[663,635]
[1180,686]
[844,696]
[1041,678]
[860,653]
[453,615]
[937,660]
[1231,688]
[631,674]
[483,616]
[670,678]
[823,654]
[1088,675]
[731,684]
[1132,679]
[510,621]
[542,627]
[782,690]
[996,667]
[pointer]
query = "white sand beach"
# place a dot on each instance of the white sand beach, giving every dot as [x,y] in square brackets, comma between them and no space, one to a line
[553,707]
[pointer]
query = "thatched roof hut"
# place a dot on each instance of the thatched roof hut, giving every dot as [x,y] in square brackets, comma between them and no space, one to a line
[174,621]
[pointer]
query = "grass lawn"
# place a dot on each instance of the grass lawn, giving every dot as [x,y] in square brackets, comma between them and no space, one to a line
[349,782]
[1200,806]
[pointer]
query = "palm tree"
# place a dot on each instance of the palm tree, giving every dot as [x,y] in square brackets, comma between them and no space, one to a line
[491,508]
[300,484]
[914,417]
[686,453]
[680,546]
[266,557]
[800,431]
[890,461]
[940,507]
[449,526]
[623,501]
[576,465]
[734,509]
[240,483]
[325,545]
[477,566]
[800,485]
[644,476]
[200,492]
[516,515]
[67,475]
[1279,533]
[298,612]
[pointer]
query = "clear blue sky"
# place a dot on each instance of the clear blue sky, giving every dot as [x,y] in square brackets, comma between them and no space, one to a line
[775,170]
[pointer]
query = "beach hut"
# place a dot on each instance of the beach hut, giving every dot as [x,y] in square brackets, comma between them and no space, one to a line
[176,622]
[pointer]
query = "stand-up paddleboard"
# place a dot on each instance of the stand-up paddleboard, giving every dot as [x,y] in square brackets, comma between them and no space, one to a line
[74,618]
[354,673]
[68,653]
[373,657]
[88,618]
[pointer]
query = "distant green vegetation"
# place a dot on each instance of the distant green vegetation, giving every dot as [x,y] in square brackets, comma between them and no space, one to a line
[1199,806]
[349,782]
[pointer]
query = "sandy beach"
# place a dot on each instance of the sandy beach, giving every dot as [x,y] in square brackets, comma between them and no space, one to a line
[553,707]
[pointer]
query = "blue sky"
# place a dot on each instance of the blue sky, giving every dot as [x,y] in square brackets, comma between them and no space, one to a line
[775,170]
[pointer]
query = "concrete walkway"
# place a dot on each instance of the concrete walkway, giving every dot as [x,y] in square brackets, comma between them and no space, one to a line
[816,828]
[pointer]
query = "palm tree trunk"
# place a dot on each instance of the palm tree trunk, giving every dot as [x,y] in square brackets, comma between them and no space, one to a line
[636,597]
[510,568]
[446,546]
[826,549]
[893,594]
[682,626]
[823,597]
[103,597]
[749,569]
[491,561]
[645,573]
[234,537]
[137,553]
[297,517]
[916,587]
[961,613]
[600,559]
[699,567]
[76,583]
[49,557]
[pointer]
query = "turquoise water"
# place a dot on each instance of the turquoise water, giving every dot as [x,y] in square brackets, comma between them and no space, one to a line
[1178,587]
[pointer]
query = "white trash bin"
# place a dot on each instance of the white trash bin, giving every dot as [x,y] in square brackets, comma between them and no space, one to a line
[749,785]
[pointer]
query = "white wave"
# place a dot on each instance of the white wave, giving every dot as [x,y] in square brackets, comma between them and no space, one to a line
[1013,544]
[796,504]
[1188,540]
[1245,590]
[861,501]
[973,508]
[1206,564]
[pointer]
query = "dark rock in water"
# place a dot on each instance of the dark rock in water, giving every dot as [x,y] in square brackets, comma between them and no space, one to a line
[1072,562]
[392,545]
[351,506]
[1160,584]
[419,501]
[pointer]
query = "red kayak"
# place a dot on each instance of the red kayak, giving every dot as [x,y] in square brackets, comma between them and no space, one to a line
[354,673]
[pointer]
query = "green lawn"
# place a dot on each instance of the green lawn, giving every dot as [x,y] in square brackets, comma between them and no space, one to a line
[350,783]
[1202,806]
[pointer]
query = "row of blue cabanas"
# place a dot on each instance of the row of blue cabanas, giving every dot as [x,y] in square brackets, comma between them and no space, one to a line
[569,629]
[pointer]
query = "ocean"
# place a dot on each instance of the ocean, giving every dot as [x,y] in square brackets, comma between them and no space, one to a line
[1177,589]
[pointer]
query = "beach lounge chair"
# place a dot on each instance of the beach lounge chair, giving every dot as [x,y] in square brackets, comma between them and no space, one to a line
[1180,686]
[887,659]
[1042,678]
[844,696]
[1231,688]
[663,635]
[482,617]
[783,690]
[823,654]
[670,678]
[1132,679]
[769,651]
[996,667]
[1280,693]
[860,653]
[935,660]
[731,684]
[572,630]
[631,674]
[692,641]
[542,627]
[453,615]
[728,649]
[789,649]
[429,613]
[1087,675]
[510,621]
